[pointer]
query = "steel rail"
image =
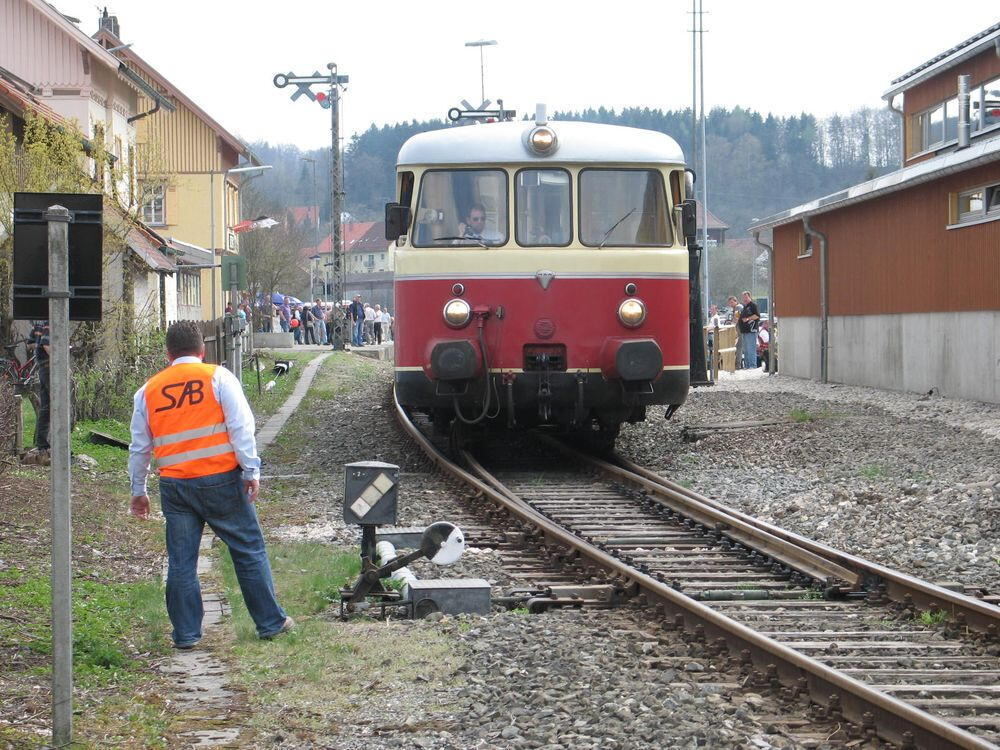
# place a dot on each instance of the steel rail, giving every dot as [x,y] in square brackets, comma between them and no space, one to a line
[738,529]
[979,616]
[894,720]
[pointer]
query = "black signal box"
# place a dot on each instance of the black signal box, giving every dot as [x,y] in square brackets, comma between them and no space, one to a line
[31,254]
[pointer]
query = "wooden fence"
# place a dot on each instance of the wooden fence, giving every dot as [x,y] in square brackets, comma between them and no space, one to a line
[724,344]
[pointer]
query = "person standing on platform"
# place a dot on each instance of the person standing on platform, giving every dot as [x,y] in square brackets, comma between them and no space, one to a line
[377,325]
[386,324]
[358,321]
[749,322]
[195,421]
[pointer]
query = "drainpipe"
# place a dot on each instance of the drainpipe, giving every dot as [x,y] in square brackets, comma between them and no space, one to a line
[773,357]
[153,111]
[824,334]
[902,132]
[963,111]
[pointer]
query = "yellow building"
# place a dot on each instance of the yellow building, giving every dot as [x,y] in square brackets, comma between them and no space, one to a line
[189,193]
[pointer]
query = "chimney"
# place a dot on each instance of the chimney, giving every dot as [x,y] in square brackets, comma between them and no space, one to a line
[110,23]
[963,111]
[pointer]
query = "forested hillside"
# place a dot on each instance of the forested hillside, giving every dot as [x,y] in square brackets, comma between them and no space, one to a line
[757,165]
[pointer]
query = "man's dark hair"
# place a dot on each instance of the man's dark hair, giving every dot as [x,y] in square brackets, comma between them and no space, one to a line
[184,339]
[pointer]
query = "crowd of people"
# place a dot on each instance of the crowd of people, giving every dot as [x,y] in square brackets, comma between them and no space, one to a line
[747,319]
[315,322]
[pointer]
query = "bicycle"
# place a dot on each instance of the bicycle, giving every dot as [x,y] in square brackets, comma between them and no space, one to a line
[23,376]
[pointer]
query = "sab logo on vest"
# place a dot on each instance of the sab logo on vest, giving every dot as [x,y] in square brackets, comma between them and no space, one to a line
[192,392]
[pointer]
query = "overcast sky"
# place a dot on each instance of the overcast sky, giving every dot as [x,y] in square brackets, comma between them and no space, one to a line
[407,60]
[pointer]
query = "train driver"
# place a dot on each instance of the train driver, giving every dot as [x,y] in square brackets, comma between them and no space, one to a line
[474,226]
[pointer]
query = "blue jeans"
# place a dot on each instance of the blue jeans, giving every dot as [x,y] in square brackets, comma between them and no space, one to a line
[359,332]
[749,349]
[220,501]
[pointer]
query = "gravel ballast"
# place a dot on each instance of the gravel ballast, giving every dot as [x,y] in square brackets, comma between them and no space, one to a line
[906,480]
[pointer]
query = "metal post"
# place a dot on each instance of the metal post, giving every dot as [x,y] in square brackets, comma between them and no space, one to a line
[338,289]
[211,244]
[235,344]
[704,157]
[693,161]
[58,219]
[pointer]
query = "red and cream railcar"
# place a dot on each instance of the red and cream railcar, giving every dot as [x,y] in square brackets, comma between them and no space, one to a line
[541,275]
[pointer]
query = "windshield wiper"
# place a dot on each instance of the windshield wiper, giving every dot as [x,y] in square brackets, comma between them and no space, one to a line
[478,240]
[614,227]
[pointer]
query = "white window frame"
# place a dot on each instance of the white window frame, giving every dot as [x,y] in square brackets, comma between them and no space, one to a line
[981,216]
[157,195]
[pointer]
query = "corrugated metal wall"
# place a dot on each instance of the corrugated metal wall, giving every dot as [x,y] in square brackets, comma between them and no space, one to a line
[894,255]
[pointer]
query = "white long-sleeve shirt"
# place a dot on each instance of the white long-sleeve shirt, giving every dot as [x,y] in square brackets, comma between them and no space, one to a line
[239,424]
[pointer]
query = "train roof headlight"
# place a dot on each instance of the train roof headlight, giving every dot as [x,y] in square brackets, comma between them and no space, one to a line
[542,140]
[632,312]
[457,313]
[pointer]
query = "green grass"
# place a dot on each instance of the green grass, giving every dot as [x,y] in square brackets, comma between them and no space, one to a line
[932,617]
[111,623]
[873,471]
[324,668]
[267,403]
[339,374]
[801,415]
[108,457]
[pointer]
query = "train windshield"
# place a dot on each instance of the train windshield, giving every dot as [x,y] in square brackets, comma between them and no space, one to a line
[463,207]
[543,209]
[624,207]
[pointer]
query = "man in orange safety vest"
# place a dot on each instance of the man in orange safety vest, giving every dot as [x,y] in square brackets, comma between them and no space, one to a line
[194,419]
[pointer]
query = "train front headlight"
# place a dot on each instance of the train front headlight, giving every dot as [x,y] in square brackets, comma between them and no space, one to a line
[457,313]
[632,312]
[542,140]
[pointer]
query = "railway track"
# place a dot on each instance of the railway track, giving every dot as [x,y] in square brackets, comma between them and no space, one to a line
[899,658]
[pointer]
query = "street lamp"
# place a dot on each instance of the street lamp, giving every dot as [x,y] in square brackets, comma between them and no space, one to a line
[482,80]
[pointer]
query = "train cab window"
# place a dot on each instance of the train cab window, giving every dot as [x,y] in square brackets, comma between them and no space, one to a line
[462,207]
[405,188]
[542,203]
[624,207]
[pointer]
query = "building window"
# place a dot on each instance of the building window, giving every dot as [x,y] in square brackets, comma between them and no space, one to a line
[153,205]
[370,262]
[189,293]
[984,105]
[976,205]
[805,245]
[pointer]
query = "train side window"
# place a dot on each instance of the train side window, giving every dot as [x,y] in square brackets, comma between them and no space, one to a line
[462,207]
[624,207]
[406,188]
[543,206]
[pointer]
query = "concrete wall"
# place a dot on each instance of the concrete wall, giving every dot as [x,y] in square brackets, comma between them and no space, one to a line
[958,354]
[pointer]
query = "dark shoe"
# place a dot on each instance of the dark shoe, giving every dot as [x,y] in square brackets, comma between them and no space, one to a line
[286,626]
